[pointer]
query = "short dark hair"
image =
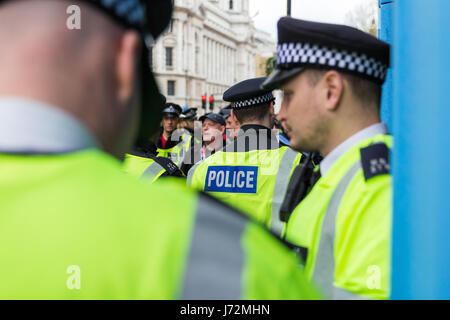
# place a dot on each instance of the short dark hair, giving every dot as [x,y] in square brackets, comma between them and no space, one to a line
[256,113]
[367,92]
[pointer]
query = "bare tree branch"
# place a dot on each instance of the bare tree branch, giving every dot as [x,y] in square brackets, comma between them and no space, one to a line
[364,16]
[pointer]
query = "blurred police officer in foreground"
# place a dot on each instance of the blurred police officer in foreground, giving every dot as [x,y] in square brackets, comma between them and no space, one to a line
[253,172]
[331,76]
[73,225]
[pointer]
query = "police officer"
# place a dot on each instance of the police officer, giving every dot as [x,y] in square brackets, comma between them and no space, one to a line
[166,144]
[331,76]
[188,118]
[232,125]
[192,139]
[253,172]
[87,230]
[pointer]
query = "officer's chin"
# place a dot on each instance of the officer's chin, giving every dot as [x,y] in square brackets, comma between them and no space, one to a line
[297,145]
[300,147]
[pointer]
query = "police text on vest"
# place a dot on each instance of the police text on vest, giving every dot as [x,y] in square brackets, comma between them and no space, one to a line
[232,179]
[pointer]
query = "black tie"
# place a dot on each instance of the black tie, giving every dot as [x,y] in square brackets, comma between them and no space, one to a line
[314,178]
[298,187]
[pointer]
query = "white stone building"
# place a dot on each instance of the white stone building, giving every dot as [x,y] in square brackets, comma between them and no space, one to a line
[208,47]
[265,48]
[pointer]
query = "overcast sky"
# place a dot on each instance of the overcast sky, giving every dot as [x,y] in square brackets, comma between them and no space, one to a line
[269,11]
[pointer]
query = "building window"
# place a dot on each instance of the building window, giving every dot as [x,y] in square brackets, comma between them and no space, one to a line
[170,27]
[231,4]
[169,58]
[170,88]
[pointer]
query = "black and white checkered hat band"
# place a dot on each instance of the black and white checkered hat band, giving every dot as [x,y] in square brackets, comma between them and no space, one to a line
[131,11]
[315,55]
[266,98]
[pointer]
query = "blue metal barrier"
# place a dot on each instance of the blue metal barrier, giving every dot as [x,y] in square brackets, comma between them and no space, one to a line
[421,161]
[385,34]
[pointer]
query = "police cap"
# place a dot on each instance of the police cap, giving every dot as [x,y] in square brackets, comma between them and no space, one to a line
[306,44]
[248,94]
[213,117]
[171,110]
[189,114]
[146,16]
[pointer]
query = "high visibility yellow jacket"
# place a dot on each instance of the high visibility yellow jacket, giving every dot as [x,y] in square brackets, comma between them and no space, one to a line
[150,167]
[251,176]
[176,151]
[75,227]
[136,166]
[343,227]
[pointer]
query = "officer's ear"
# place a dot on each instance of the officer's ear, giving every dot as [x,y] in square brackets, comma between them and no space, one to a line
[271,110]
[333,85]
[127,57]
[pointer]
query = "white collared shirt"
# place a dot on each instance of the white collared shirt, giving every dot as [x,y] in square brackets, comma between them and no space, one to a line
[367,133]
[29,126]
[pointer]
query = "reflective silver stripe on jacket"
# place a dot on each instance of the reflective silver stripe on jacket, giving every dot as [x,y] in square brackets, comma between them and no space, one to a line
[191,173]
[216,258]
[341,294]
[184,146]
[180,155]
[152,170]
[280,189]
[324,266]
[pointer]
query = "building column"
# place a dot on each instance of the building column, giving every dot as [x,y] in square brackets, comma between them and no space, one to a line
[179,49]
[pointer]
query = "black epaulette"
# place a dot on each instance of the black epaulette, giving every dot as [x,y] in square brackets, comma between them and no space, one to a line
[375,160]
[170,167]
[140,154]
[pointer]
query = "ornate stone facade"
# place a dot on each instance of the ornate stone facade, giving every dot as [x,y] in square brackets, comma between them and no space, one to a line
[209,46]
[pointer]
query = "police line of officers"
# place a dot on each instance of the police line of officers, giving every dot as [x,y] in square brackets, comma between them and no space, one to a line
[271,219]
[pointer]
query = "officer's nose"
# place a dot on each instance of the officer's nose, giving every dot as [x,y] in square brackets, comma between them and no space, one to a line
[282,113]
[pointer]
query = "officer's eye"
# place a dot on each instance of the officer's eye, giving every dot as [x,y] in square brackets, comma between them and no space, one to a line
[287,96]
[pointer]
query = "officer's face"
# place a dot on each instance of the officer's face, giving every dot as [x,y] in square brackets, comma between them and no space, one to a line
[301,114]
[169,124]
[189,124]
[232,126]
